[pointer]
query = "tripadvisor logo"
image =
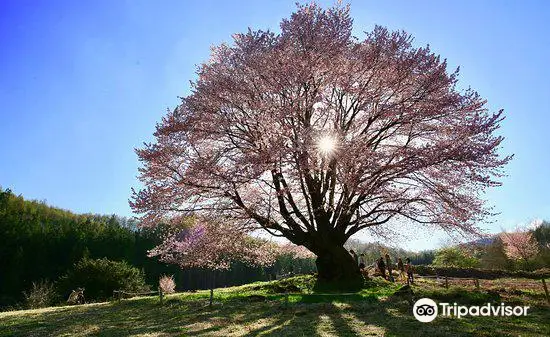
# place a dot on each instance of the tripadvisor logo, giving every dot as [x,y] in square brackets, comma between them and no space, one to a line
[426,310]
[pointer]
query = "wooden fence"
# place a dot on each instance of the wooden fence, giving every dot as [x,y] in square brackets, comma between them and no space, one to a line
[120,294]
[444,280]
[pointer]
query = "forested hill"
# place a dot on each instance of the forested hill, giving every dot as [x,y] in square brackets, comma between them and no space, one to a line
[41,242]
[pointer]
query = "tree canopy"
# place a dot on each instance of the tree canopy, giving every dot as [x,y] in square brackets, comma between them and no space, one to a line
[314,134]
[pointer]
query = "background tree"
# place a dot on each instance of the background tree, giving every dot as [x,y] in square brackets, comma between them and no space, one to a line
[520,246]
[454,257]
[493,255]
[214,245]
[315,135]
[542,236]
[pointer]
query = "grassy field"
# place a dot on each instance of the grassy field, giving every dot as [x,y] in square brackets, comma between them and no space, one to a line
[259,309]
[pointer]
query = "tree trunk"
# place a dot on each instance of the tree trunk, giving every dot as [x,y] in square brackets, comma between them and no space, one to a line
[335,266]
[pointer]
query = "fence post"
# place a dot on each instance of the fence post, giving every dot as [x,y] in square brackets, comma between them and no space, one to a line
[211,297]
[212,285]
[161,295]
[116,294]
[446,282]
[545,290]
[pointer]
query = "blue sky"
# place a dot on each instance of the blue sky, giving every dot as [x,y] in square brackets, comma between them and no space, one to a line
[83,83]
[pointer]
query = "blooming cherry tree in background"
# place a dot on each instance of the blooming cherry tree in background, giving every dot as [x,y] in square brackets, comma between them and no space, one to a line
[315,135]
[214,245]
[294,251]
[520,245]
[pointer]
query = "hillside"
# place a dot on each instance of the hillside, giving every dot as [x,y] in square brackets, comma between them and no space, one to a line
[41,242]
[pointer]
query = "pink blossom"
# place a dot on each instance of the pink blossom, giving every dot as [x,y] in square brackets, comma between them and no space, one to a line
[519,245]
[214,245]
[406,145]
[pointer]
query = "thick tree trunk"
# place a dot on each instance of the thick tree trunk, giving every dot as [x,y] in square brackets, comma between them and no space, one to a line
[337,267]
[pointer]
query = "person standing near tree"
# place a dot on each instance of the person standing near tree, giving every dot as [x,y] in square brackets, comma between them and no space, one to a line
[354,255]
[362,264]
[382,267]
[389,267]
[401,269]
[409,271]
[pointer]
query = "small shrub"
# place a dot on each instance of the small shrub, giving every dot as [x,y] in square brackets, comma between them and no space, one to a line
[42,294]
[167,284]
[100,277]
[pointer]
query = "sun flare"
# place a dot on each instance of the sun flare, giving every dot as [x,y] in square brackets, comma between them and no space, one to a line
[326,145]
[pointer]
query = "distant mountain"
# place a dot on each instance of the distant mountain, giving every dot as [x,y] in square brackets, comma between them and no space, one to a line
[483,241]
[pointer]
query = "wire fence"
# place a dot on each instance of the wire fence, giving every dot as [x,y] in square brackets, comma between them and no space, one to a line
[442,280]
[446,280]
[120,294]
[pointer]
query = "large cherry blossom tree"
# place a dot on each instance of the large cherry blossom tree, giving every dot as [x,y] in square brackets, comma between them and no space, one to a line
[315,135]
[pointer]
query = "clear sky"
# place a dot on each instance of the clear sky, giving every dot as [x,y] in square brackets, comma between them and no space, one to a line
[82,83]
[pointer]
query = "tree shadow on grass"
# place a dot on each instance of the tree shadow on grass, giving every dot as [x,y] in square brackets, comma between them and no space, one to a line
[307,316]
[395,318]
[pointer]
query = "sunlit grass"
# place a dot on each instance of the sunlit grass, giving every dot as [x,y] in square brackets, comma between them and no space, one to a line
[257,310]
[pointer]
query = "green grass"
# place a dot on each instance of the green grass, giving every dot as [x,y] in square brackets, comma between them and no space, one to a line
[263,309]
